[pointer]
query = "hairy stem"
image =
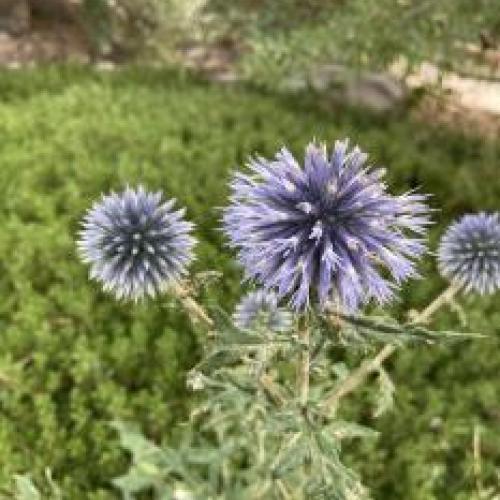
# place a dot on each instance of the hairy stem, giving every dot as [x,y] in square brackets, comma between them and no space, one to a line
[286,495]
[437,303]
[194,310]
[358,376]
[476,449]
[272,389]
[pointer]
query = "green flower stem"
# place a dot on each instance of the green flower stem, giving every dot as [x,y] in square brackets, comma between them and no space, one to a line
[304,366]
[283,490]
[358,376]
[272,389]
[436,304]
[193,309]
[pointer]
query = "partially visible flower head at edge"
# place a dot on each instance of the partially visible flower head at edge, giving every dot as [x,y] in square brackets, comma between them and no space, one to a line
[260,308]
[136,245]
[326,229]
[469,253]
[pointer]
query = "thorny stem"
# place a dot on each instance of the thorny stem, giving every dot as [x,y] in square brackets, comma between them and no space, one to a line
[192,307]
[283,490]
[273,390]
[303,366]
[358,376]
[439,301]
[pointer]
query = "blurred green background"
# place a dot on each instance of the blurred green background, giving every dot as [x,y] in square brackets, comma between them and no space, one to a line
[72,360]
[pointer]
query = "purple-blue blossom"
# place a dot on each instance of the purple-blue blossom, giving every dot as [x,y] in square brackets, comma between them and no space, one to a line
[136,245]
[260,308]
[327,231]
[469,253]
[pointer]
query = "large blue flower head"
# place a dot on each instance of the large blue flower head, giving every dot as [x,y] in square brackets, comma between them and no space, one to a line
[135,244]
[260,308]
[329,228]
[469,253]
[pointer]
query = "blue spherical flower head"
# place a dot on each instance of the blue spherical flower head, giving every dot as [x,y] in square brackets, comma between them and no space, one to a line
[328,230]
[260,308]
[469,253]
[135,244]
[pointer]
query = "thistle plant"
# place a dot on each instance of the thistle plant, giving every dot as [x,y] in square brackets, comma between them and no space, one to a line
[326,239]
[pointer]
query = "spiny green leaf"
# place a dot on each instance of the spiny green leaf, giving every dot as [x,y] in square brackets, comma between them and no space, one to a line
[385,398]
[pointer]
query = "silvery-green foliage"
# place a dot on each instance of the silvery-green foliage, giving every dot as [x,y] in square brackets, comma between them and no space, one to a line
[250,437]
[26,489]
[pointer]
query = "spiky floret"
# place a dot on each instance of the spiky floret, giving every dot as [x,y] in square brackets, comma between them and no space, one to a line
[135,244]
[260,308]
[469,253]
[328,228]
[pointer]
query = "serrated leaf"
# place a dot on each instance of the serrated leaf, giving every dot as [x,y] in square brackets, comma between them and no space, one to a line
[388,330]
[291,456]
[217,359]
[385,400]
[340,429]
[132,440]
[340,370]
[133,482]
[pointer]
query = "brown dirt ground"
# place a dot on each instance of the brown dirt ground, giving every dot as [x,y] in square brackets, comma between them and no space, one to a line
[466,106]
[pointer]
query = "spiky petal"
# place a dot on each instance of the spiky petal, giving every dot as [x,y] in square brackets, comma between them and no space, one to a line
[135,244]
[326,228]
[469,253]
[260,308]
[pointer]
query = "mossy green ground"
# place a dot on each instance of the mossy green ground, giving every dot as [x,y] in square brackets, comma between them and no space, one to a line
[72,359]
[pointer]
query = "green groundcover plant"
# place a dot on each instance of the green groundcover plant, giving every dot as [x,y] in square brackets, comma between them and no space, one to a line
[73,360]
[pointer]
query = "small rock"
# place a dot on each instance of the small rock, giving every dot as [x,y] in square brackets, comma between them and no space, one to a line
[104,65]
[377,92]
[295,84]
[329,76]
[436,424]
[227,77]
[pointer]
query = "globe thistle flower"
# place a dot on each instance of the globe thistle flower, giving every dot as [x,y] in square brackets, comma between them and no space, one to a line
[328,228]
[261,308]
[469,253]
[135,244]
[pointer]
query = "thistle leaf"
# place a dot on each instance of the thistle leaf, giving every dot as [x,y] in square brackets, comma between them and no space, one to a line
[25,489]
[385,399]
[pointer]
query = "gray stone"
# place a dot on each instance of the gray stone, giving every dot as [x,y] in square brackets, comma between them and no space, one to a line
[376,91]
[328,77]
